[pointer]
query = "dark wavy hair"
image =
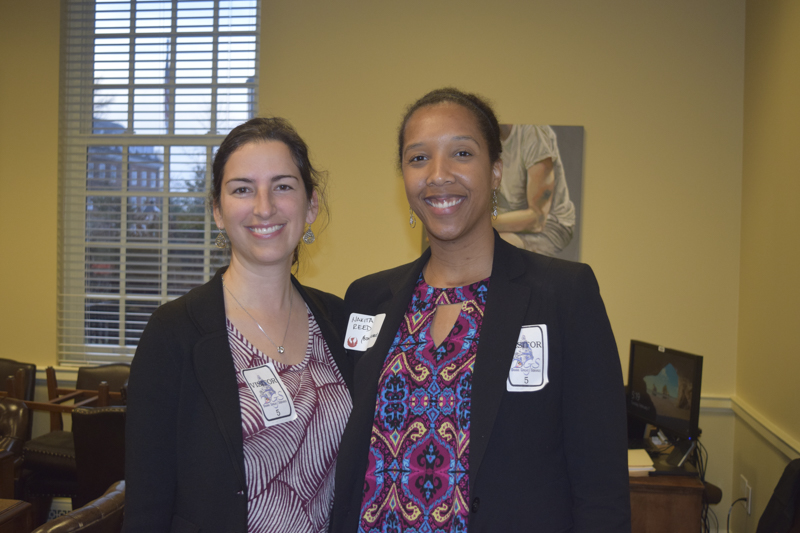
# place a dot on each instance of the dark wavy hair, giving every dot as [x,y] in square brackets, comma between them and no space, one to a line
[263,129]
[477,105]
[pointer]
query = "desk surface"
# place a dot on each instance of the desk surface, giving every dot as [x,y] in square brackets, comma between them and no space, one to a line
[15,516]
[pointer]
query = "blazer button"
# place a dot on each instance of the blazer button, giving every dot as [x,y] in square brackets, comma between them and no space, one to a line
[476,503]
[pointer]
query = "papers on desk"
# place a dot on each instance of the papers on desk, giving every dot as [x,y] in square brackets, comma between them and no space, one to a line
[639,463]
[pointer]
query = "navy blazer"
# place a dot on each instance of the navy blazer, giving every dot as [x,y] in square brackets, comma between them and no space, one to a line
[184,458]
[553,460]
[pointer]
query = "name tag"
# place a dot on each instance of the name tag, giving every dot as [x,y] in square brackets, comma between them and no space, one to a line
[362,331]
[270,393]
[528,371]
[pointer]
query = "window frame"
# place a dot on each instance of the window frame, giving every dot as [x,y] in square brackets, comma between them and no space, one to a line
[81,140]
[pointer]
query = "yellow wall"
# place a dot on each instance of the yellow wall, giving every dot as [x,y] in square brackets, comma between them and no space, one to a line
[657,85]
[691,191]
[768,365]
[769,347]
[29,55]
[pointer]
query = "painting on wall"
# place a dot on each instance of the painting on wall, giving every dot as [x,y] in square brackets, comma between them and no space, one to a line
[539,199]
[540,196]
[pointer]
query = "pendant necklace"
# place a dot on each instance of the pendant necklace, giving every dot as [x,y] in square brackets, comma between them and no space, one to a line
[277,347]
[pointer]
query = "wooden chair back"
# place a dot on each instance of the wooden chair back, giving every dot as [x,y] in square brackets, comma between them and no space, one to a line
[24,382]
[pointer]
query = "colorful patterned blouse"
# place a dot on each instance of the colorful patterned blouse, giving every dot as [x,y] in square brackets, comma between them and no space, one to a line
[290,466]
[418,472]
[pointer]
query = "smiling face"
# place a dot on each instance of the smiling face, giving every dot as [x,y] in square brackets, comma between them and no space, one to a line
[448,173]
[263,205]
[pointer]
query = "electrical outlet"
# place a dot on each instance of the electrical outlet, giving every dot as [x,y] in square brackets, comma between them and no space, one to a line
[745,491]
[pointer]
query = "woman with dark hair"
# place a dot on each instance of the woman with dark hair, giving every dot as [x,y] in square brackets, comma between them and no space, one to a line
[492,397]
[239,390]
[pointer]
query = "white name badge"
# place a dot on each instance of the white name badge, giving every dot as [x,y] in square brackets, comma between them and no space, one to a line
[270,394]
[362,330]
[529,368]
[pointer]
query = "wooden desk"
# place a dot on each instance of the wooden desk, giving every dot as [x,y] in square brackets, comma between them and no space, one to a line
[15,516]
[668,504]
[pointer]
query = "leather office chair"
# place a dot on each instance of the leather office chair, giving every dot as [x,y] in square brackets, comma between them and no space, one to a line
[115,374]
[103,515]
[9,367]
[99,434]
[14,426]
[24,389]
[49,460]
[14,423]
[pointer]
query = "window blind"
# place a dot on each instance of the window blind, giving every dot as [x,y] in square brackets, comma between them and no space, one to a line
[149,89]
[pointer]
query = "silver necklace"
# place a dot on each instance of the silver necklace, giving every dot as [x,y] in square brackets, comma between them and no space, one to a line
[291,302]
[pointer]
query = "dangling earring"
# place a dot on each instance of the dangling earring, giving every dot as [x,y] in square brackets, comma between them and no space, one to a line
[308,237]
[411,220]
[222,240]
[494,204]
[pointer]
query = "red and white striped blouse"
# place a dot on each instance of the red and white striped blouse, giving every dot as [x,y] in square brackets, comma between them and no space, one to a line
[290,466]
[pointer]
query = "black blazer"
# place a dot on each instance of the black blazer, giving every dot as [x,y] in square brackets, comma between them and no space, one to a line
[184,449]
[544,461]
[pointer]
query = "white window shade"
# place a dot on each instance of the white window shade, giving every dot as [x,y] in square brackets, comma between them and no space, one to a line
[149,89]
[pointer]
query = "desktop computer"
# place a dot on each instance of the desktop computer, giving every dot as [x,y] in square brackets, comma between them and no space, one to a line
[663,402]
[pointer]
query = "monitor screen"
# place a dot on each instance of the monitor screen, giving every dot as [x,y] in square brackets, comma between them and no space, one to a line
[664,388]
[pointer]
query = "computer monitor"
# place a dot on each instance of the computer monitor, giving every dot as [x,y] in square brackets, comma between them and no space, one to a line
[664,390]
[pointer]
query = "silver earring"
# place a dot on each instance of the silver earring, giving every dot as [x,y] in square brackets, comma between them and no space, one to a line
[308,237]
[412,221]
[222,240]
[494,204]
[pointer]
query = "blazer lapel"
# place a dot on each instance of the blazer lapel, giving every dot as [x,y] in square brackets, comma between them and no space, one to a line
[395,310]
[213,364]
[214,370]
[503,318]
[330,332]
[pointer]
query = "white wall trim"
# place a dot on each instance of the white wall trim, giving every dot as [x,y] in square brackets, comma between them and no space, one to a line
[776,436]
[762,425]
[715,403]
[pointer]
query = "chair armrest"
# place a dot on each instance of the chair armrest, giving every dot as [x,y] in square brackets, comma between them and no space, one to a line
[7,475]
[103,514]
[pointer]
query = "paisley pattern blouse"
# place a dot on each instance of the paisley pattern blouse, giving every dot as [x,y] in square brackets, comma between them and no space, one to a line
[418,471]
